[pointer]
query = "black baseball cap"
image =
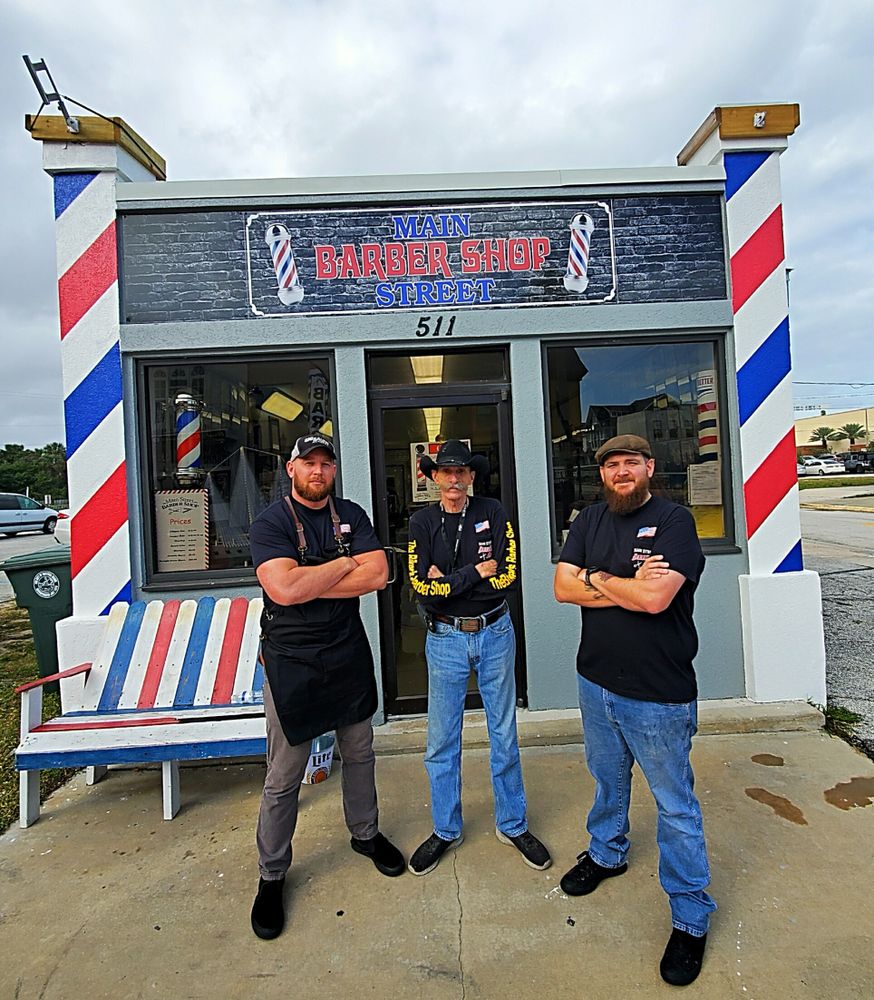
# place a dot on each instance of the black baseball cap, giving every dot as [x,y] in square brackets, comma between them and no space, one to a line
[309,442]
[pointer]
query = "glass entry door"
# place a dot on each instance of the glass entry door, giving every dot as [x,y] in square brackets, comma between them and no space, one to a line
[404,428]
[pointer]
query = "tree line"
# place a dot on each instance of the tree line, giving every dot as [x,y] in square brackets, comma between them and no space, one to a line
[36,471]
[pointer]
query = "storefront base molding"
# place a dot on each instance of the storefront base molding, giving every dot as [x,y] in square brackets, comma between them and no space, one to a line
[784,648]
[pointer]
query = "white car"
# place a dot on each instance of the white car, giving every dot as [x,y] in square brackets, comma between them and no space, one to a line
[822,466]
[62,528]
[20,513]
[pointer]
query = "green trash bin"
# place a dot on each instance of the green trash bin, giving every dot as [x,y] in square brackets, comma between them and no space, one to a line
[41,581]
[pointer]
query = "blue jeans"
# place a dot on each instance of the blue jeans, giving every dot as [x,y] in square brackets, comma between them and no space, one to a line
[617,732]
[451,655]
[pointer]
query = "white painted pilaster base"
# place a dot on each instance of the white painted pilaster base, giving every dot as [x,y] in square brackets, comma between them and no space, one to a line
[784,648]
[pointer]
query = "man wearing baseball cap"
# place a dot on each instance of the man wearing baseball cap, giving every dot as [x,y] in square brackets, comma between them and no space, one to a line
[632,564]
[462,564]
[315,554]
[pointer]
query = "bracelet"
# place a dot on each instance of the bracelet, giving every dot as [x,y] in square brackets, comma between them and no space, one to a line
[587,578]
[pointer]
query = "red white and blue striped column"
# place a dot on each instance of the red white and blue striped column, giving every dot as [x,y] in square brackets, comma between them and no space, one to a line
[760,305]
[91,361]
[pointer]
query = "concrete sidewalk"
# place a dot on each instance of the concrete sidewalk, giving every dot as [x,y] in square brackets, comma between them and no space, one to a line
[101,898]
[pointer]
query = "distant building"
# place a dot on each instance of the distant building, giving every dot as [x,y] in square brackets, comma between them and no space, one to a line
[805,426]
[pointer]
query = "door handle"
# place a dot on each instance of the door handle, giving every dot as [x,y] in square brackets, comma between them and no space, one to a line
[392,557]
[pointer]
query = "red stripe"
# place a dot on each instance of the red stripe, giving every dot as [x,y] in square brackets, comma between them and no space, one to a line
[189,444]
[99,520]
[707,439]
[767,486]
[87,279]
[66,727]
[757,258]
[230,655]
[706,407]
[158,656]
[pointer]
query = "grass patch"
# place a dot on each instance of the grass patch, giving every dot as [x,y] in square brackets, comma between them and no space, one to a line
[17,666]
[826,482]
[839,720]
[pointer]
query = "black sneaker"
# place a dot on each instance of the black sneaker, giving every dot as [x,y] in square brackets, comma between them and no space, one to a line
[427,855]
[586,875]
[534,854]
[268,910]
[382,852]
[682,959]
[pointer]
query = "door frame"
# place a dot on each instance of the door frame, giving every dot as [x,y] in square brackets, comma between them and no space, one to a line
[442,394]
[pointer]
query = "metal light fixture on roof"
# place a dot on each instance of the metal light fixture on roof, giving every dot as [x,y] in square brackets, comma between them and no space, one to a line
[280,404]
[52,96]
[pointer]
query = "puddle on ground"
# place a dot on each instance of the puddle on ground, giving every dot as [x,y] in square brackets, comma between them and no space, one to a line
[768,759]
[782,807]
[848,794]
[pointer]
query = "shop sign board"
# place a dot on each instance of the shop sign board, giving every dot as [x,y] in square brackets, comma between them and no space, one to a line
[182,530]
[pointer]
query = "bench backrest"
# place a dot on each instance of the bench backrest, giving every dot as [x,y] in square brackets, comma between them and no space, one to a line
[176,654]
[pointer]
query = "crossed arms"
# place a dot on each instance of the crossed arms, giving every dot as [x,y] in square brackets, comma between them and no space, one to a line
[650,590]
[286,582]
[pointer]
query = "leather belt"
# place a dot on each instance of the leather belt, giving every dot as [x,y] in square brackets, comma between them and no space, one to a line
[472,624]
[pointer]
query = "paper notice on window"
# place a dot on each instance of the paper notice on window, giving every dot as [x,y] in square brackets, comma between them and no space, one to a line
[182,530]
[705,484]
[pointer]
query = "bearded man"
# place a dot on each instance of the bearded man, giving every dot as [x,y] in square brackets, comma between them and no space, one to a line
[314,555]
[632,565]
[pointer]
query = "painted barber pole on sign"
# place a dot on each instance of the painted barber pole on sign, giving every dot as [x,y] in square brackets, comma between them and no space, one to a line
[278,239]
[576,277]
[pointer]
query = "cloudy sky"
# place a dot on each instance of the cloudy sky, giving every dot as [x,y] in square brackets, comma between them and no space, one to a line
[266,88]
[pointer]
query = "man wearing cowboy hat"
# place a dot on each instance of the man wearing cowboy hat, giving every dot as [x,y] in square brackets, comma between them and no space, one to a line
[462,564]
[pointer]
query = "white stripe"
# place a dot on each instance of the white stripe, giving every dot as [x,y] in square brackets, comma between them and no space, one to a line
[136,672]
[84,219]
[88,341]
[95,460]
[95,585]
[760,315]
[176,654]
[770,545]
[248,651]
[766,428]
[754,202]
[212,651]
[102,662]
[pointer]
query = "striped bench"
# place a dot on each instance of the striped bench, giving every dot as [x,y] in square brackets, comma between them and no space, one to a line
[169,681]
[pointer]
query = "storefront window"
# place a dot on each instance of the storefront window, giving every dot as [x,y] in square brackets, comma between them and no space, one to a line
[219,436]
[666,392]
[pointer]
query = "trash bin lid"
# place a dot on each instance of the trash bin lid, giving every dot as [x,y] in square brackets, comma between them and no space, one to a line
[57,556]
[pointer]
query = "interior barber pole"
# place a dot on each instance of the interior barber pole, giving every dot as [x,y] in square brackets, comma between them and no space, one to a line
[577,279]
[188,464]
[278,239]
[708,417]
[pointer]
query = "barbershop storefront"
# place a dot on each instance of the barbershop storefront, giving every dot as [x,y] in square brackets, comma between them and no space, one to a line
[533,315]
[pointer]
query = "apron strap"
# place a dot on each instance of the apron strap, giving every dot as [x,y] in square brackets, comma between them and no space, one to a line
[301,537]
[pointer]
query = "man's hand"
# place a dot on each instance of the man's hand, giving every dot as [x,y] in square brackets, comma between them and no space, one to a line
[434,573]
[487,568]
[652,568]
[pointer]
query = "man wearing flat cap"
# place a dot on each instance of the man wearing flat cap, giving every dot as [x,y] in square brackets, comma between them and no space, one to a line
[462,564]
[632,564]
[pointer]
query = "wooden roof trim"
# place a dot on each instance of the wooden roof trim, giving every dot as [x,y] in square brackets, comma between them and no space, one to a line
[743,121]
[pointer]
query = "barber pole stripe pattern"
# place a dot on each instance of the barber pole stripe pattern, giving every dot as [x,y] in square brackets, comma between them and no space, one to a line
[764,378]
[88,304]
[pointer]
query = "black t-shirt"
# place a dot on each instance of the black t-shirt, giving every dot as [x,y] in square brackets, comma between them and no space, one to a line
[273,535]
[631,653]
[486,533]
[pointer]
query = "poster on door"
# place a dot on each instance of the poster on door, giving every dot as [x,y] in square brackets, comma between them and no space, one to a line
[424,490]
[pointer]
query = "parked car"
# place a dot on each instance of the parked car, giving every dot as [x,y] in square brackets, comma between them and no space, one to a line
[21,513]
[857,461]
[62,528]
[827,465]
[800,469]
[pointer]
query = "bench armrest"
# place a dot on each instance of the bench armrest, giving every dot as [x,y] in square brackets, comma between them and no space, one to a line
[82,668]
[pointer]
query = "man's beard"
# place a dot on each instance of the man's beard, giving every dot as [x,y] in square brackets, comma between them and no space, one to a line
[626,503]
[311,491]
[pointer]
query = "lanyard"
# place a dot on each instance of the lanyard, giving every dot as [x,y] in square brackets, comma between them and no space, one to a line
[454,549]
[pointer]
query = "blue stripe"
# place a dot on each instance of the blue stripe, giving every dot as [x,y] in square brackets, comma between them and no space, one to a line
[254,746]
[185,418]
[93,399]
[704,425]
[68,187]
[121,657]
[258,681]
[125,594]
[793,562]
[764,371]
[193,662]
[739,168]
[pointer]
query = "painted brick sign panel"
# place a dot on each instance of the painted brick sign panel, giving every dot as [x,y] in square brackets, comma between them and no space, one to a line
[235,264]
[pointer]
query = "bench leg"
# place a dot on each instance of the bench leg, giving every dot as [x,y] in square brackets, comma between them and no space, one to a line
[94,773]
[170,782]
[28,801]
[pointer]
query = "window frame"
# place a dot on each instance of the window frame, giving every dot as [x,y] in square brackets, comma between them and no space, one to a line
[209,579]
[718,339]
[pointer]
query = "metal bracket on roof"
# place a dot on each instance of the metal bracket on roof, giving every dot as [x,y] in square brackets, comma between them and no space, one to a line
[52,96]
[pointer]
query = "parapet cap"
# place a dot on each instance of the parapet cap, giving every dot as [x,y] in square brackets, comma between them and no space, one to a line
[743,121]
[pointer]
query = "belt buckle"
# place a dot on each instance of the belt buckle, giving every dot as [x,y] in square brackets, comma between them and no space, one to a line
[469,624]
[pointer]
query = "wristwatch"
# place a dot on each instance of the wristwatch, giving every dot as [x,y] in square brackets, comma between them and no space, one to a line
[587,578]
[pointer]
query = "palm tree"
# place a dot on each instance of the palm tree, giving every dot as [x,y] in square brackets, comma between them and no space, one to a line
[824,435]
[853,431]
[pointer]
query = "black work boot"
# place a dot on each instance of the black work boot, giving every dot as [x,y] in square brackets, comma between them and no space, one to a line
[682,959]
[268,910]
[382,852]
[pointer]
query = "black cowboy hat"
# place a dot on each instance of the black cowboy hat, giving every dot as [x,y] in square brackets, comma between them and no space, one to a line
[454,452]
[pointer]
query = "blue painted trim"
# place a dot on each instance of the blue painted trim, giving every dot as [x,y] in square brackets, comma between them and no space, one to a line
[121,658]
[739,168]
[125,595]
[67,188]
[193,662]
[764,371]
[248,747]
[794,561]
[93,399]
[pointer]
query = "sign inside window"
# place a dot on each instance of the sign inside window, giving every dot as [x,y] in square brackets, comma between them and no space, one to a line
[182,530]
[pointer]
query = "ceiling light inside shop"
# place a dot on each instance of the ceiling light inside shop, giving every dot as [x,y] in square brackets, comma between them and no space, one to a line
[282,405]
[427,369]
[433,420]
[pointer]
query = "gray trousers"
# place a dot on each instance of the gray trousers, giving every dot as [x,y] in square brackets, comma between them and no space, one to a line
[286,765]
